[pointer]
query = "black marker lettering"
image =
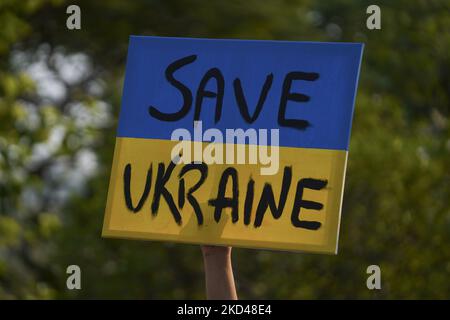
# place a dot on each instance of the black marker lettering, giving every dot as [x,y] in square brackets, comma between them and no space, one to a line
[203,169]
[249,201]
[181,191]
[127,187]
[287,95]
[221,201]
[160,189]
[267,198]
[242,103]
[213,73]
[187,95]
[299,203]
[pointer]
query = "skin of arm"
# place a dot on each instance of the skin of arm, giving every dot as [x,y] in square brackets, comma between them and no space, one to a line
[218,273]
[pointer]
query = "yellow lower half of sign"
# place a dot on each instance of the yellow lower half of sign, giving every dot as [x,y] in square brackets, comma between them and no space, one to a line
[276,233]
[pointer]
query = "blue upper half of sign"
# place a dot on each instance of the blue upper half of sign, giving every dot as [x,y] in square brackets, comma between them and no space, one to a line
[313,83]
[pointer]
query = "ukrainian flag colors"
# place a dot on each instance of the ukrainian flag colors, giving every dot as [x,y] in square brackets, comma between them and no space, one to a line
[307,91]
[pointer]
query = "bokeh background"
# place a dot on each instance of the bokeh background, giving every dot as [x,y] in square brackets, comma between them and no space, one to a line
[60,94]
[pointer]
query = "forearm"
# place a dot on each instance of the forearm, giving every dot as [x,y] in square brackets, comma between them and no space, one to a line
[219,273]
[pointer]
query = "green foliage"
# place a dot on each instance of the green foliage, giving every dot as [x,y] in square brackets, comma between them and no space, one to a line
[396,205]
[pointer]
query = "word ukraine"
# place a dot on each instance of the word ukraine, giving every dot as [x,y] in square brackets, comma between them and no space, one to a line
[222,201]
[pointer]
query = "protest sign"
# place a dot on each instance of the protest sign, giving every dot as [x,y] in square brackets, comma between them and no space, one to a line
[233,142]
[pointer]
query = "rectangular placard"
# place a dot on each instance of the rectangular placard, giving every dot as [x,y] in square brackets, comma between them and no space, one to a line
[233,142]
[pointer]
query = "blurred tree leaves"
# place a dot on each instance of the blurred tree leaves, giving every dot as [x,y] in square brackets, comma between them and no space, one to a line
[56,146]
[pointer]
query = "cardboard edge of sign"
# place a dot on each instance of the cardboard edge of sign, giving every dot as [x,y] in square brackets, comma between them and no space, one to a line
[128,235]
[360,45]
